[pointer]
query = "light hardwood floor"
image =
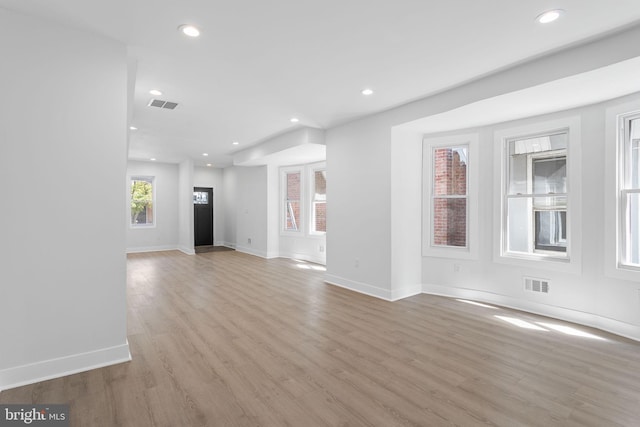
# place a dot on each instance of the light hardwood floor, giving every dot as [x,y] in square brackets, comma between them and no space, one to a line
[227,339]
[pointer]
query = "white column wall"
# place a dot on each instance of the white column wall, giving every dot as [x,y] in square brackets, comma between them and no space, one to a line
[63,148]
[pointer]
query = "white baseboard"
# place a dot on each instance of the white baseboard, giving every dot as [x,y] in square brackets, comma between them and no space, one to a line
[251,251]
[304,257]
[140,249]
[406,292]
[614,326]
[55,368]
[363,288]
[583,318]
[186,250]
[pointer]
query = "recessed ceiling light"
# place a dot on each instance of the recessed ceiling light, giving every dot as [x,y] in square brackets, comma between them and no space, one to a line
[205,154]
[155,92]
[189,30]
[133,128]
[367,91]
[153,159]
[549,16]
[294,120]
[235,143]
[208,164]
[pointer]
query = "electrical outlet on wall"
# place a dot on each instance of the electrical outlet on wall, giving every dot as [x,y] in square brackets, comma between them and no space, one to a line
[321,248]
[356,264]
[249,240]
[456,268]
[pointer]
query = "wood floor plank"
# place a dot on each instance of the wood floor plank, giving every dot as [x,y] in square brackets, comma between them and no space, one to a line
[228,339]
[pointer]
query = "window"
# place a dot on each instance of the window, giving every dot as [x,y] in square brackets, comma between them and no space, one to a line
[535,205]
[142,201]
[629,190]
[449,196]
[292,202]
[319,202]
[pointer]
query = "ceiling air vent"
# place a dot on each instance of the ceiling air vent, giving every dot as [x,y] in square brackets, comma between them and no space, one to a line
[533,284]
[162,104]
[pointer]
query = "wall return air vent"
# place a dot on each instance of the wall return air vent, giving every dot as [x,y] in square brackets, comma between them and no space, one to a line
[162,104]
[533,284]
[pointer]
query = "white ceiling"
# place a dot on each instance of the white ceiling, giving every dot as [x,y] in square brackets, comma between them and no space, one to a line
[259,63]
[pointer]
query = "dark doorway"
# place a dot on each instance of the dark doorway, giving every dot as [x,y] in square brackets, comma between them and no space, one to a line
[203,216]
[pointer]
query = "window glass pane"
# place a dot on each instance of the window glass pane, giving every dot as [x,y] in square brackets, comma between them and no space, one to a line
[450,222]
[320,185]
[520,152]
[634,136]
[293,186]
[320,216]
[450,171]
[537,224]
[292,202]
[632,220]
[551,230]
[200,198]
[292,215]
[142,201]
[550,175]
[519,224]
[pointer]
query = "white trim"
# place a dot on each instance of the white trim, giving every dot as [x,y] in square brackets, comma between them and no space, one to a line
[607,324]
[254,252]
[322,260]
[188,251]
[611,193]
[282,219]
[153,179]
[573,262]
[63,366]
[360,287]
[406,292]
[473,154]
[140,249]
[311,170]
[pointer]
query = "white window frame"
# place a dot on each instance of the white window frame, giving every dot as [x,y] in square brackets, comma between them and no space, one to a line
[154,190]
[623,188]
[312,200]
[570,262]
[429,145]
[284,201]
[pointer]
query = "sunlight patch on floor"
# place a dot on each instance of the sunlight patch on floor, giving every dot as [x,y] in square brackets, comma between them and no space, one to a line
[466,301]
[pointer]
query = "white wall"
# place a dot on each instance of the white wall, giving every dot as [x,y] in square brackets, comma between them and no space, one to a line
[251,207]
[359,206]
[367,239]
[586,294]
[230,205]
[62,180]
[185,207]
[300,245]
[164,235]
[273,211]
[213,178]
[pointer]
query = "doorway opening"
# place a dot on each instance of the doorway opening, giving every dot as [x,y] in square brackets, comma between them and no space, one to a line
[202,217]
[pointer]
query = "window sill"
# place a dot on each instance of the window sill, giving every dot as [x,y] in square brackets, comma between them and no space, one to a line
[624,272]
[450,252]
[566,265]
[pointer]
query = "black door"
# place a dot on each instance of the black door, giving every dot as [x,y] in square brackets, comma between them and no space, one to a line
[203,216]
